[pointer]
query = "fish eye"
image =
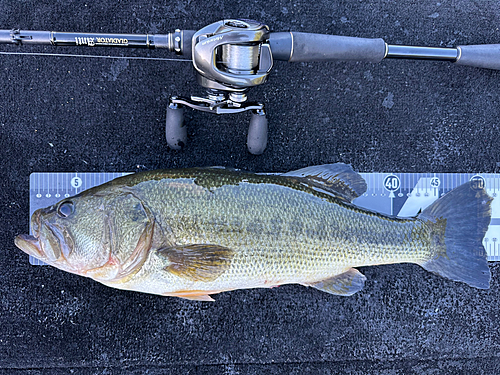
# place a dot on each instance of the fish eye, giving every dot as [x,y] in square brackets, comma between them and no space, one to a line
[65,209]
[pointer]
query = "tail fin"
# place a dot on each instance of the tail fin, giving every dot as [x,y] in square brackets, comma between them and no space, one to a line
[458,222]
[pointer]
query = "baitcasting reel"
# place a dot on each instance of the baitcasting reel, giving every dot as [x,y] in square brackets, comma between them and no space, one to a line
[232,56]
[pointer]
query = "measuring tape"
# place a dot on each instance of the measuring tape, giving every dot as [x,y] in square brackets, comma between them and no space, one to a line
[399,194]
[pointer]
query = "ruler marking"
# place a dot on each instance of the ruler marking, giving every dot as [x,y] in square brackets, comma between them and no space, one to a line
[44,188]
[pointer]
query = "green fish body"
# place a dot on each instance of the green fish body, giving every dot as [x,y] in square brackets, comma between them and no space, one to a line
[195,232]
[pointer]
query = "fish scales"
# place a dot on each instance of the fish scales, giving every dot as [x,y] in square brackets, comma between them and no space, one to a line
[280,232]
[196,232]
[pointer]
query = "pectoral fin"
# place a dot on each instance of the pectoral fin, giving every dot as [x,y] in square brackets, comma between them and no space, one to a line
[345,284]
[199,262]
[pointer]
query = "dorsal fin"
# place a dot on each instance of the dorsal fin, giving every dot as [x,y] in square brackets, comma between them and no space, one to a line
[338,179]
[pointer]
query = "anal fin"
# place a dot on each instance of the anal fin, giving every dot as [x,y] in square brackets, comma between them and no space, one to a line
[345,284]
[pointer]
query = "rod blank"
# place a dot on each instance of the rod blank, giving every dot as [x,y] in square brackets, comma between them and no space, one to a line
[168,41]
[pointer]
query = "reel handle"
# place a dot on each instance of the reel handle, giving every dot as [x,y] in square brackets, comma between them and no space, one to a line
[257,133]
[175,129]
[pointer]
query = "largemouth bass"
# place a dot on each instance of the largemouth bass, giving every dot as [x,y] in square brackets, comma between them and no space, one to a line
[195,232]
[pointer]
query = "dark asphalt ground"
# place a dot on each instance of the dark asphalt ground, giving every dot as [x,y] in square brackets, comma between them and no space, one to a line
[89,114]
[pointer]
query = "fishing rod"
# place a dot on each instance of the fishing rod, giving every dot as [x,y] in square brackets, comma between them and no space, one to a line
[232,56]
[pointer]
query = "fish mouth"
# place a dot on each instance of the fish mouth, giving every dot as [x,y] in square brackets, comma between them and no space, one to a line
[30,245]
[44,244]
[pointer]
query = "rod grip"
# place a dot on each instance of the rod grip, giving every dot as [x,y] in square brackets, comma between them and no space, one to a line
[480,56]
[302,47]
